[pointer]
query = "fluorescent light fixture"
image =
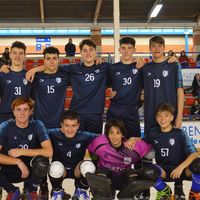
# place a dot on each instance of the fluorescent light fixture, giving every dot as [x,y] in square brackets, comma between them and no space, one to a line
[156,10]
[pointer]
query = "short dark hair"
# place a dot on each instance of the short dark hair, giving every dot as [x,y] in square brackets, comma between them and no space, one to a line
[88,42]
[51,50]
[165,107]
[157,39]
[71,115]
[19,45]
[115,123]
[127,40]
[20,101]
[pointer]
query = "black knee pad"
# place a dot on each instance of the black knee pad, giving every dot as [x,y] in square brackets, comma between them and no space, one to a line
[195,166]
[40,166]
[150,172]
[81,183]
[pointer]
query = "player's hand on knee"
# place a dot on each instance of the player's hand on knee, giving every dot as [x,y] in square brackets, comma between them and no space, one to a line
[24,169]
[176,173]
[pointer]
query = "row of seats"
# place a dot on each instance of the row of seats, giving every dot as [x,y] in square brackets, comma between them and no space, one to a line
[189,100]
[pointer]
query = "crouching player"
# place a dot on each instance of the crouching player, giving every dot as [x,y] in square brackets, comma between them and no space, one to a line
[24,151]
[115,163]
[69,147]
[175,154]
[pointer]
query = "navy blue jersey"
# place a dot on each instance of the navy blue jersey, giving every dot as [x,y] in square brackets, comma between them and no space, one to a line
[160,82]
[171,148]
[31,137]
[49,96]
[126,80]
[89,87]
[69,151]
[12,86]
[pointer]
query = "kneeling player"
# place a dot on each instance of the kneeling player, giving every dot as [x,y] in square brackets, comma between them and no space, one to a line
[115,162]
[175,154]
[69,147]
[25,148]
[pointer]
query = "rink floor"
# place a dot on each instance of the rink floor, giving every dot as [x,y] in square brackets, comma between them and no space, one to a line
[68,185]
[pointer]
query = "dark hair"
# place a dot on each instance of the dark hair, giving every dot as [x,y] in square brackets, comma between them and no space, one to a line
[20,101]
[115,123]
[51,50]
[165,107]
[88,42]
[71,115]
[19,45]
[157,39]
[127,40]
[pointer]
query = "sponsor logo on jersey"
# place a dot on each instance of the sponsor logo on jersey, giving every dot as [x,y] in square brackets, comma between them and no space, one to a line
[15,137]
[117,73]
[58,80]
[172,141]
[78,145]
[165,73]
[8,81]
[60,144]
[134,71]
[97,71]
[25,81]
[41,80]
[127,160]
[155,141]
[30,137]
[148,73]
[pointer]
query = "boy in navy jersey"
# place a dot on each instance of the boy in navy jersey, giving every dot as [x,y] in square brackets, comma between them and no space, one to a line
[13,84]
[69,147]
[24,148]
[175,154]
[126,82]
[162,82]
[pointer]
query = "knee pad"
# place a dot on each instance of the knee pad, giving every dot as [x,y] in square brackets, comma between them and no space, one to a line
[40,166]
[195,166]
[151,172]
[56,169]
[87,166]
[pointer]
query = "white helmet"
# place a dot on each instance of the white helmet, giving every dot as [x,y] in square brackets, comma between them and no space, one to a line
[56,169]
[87,166]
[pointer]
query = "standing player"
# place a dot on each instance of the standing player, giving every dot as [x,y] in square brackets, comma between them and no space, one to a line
[162,83]
[126,82]
[175,154]
[50,90]
[20,141]
[69,146]
[13,84]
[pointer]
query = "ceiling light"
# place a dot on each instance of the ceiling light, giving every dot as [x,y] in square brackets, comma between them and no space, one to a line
[156,10]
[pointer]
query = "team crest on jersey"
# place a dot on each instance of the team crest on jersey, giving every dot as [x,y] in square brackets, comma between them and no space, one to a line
[165,73]
[172,141]
[127,160]
[30,137]
[117,73]
[58,80]
[9,81]
[25,81]
[78,145]
[134,71]
[97,71]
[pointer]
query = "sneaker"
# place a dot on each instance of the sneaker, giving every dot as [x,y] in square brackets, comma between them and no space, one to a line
[14,195]
[80,194]
[44,193]
[178,192]
[61,194]
[32,195]
[145,195]
[164,194]
[194,195]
